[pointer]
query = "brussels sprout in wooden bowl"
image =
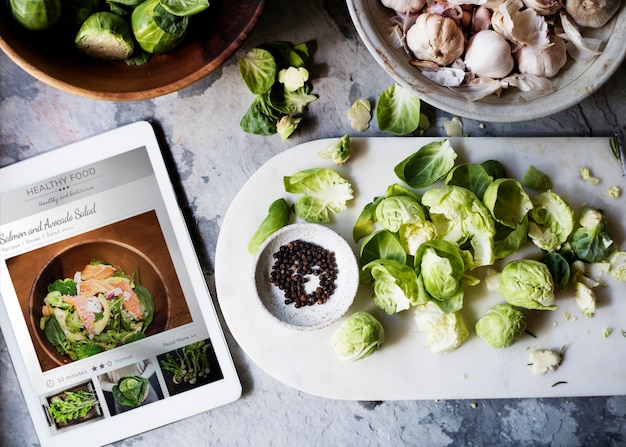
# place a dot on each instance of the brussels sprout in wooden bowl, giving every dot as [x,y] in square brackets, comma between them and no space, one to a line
[51,54]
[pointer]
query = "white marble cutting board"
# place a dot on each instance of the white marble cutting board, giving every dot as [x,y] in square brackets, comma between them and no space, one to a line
[405,368]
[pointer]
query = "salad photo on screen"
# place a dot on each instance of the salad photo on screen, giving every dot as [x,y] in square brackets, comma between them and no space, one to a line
[100,308]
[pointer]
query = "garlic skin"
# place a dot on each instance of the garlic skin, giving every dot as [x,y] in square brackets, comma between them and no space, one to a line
[544,7]
[592,13]
[404,6]
[544,62]
[488,54]
[436,39]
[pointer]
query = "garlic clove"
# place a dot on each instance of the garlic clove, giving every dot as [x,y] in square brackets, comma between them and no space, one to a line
[544,7]
[592,13]
[544,62]
[489,54]
[481,19]
[404,6]
[436,39]
[519,25]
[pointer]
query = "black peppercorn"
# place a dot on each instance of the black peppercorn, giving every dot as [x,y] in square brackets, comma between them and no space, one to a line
[294,264]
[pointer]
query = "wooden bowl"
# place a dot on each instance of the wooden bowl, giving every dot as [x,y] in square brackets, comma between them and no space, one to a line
[52,57]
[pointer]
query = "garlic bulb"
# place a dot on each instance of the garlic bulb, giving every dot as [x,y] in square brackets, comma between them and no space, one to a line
[404,6]
[521,26]
[544,62]
[592,13]
[435,38]
[489,54]
[544,7]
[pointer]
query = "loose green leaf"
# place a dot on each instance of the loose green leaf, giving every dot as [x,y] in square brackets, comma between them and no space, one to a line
[258,70]
[535,179]
[323,191]
[507,201]
[559,268]
[398,111]
[382,244]
[277,217]
[471,176]
[428,165]
[185,7]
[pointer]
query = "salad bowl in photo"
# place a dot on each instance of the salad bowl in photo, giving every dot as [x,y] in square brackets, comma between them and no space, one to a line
[95,296]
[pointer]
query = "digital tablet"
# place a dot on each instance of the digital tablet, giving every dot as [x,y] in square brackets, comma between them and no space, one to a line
[104,306]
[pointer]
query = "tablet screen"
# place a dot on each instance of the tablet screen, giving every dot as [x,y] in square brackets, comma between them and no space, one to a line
[105,309]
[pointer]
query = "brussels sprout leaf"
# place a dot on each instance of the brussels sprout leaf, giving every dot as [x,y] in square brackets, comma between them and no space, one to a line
[398,111]
[258,70]
[428,165]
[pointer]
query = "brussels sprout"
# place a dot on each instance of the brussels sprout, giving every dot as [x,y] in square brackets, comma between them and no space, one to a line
[591,242]
[551,221]
[392,212]
[268,72]
[427,315]
[360,114]
[366,220]
[527,283]
[617,265]
[36,15]
[277,217]
[460,217]
[358,337]
[157,30]
[131,391]
[447,334]
[413,235]
[338,151]
[285,126]
[441,267]
[445,331]
[501,326]
[395,285]
[507,201]
[106,36]
[585,299]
